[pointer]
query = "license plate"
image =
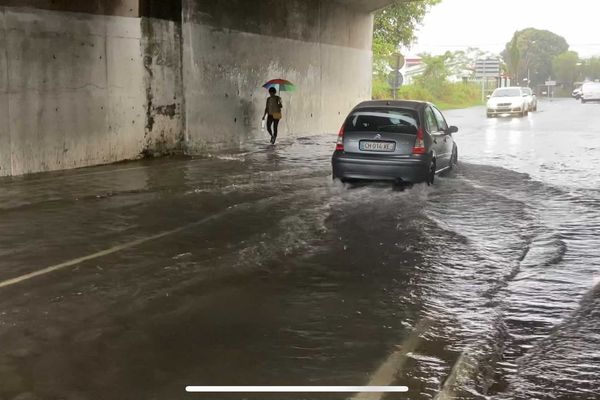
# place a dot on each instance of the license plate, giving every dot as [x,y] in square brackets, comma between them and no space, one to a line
[377,146]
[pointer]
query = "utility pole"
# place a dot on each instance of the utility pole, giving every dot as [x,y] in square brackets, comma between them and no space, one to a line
[483,84]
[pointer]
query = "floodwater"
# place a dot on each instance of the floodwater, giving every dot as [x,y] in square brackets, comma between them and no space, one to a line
[256,268]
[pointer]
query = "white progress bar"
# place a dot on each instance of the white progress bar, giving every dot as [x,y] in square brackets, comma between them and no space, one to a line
[296,389]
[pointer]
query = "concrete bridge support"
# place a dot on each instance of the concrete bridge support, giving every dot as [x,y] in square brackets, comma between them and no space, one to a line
[86,83]
[232,47]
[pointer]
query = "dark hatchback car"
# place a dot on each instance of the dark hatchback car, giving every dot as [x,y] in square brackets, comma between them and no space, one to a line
[401,141]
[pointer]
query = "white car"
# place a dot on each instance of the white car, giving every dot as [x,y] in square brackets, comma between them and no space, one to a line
[590,91]
[576,93]
[510,100]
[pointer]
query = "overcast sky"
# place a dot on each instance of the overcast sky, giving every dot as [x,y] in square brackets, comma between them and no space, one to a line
[489,24]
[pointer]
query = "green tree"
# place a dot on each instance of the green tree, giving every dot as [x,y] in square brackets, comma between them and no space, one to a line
[395,26]
[530,54]
[589,69]
[564,67]
[437,69]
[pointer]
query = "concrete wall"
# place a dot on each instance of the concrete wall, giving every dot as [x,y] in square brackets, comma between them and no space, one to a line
[123,8]
[232,47]
[82,89]
[5,145]
[79,89]
[75,89]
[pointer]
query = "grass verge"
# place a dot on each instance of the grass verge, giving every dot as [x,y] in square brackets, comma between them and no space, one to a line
[445,95]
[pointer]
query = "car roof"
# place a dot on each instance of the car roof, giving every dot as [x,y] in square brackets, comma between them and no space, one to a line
[406,104]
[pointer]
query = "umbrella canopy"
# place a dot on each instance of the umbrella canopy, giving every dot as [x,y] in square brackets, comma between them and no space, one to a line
[282,84]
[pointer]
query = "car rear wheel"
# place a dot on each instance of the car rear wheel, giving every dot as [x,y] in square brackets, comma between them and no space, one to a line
[489,115]
[431,176]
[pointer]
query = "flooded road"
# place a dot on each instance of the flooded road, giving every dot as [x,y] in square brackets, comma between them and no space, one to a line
[135,280]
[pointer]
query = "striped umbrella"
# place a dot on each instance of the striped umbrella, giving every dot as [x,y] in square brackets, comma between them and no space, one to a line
[282,85]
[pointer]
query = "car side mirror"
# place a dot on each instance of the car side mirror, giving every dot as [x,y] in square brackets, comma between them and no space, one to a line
[451,130]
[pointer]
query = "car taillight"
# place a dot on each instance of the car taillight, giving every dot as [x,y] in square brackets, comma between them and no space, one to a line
[419,147]
[339,146]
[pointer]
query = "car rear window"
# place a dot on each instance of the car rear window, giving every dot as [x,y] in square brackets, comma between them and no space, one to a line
[382,120]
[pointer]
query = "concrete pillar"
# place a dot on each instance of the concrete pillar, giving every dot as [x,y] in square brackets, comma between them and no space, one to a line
[163,79]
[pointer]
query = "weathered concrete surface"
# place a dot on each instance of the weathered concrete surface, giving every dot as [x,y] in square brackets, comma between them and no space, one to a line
[161,9]
[5,147]
[76,93]
[81,89]
[365,5]
[124,8]
[161,46]
[231,49]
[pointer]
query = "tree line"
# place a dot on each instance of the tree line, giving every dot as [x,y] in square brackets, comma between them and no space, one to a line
[530,58]
[534,56]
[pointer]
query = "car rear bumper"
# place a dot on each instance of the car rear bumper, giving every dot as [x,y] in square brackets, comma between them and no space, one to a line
[409,169]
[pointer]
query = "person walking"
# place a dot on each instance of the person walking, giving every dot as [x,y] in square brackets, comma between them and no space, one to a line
[273,113]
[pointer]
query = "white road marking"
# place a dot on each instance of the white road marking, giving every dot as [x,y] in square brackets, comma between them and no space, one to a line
[102,253]
[447,392]
[387,373]
[295,389]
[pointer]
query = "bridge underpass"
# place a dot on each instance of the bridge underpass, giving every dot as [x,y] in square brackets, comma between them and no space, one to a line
[87,83]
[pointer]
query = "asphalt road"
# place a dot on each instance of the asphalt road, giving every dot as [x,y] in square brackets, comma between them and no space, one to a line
[135,280]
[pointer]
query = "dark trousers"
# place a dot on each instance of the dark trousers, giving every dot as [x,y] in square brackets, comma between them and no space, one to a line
[274,123]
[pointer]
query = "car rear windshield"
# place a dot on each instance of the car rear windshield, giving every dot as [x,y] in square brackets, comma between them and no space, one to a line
[382,120]
[507,93]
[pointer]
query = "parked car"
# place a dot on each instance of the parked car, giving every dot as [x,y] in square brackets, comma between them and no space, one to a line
[531,99]
[590,91]
[402,141]
[576,94]
[507,101]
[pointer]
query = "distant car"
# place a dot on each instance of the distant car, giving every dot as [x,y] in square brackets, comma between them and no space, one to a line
[508,101]
[590,91]
[531,99]
[576,94]
[401,141]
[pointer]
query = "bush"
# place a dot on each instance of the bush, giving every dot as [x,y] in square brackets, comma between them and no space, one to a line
[443,94]
[381,89]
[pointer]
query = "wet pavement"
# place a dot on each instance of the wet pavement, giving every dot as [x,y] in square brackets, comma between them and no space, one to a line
[135,280]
